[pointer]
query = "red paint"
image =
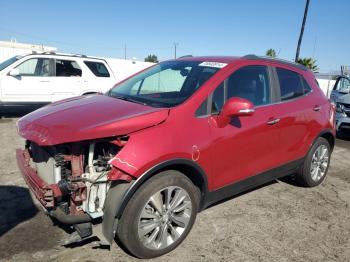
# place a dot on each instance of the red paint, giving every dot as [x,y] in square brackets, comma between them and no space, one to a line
[44,193]
[227,152]
[87,117]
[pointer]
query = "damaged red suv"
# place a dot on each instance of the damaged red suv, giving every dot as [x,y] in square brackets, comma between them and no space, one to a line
[139,162]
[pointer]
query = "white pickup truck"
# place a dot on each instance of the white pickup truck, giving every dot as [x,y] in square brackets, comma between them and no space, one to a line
[28,82]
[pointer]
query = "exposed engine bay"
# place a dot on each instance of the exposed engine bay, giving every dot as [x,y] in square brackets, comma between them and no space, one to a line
[79,174]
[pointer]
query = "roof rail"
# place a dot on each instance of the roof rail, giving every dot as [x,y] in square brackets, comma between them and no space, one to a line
[48,53]
[184,56]
[80,55]
[282,61]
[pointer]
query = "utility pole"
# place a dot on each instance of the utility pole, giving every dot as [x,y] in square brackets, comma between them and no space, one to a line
[302,30]
[125,51]
[175,46]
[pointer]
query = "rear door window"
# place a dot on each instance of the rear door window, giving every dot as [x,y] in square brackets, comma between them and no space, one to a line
[67,68]
[97,68]
[290,82]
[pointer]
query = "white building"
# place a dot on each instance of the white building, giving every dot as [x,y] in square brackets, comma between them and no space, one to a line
[12,48]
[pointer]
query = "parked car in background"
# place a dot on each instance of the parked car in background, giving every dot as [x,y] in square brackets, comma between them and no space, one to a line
[341,97]
[30,81]
[172,140]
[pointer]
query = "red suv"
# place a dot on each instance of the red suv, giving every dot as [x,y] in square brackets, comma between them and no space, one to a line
[171,140]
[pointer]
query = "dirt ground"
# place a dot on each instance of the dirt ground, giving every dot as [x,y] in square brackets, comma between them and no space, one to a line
[277,222]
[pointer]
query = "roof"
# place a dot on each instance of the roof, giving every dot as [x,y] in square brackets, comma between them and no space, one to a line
[219,59]
[231,59]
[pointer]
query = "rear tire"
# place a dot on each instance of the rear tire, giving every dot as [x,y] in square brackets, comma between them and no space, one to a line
[159,216]
[316,164]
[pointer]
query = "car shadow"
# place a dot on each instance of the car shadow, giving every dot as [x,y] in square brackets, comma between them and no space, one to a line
[16,206]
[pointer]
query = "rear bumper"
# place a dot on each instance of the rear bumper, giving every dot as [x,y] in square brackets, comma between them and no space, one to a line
[45,193]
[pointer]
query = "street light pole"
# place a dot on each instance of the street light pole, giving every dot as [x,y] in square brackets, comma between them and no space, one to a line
[302,30]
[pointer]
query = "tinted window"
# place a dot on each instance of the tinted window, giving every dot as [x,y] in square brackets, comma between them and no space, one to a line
[306,86]
[290,84]
[218,99]
[250,82]
[67,68]
[98,69]
[35,67]
[202,109]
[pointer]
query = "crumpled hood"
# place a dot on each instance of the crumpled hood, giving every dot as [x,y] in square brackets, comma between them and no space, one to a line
[87,117]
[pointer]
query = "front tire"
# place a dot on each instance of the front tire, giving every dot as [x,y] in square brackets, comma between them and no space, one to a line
[316,164]
[159,216]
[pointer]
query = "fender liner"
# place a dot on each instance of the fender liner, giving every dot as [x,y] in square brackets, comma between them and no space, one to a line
[325,134]
[119,195]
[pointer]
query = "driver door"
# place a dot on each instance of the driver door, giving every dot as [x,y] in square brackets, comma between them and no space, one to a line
[247,145]
[31,85]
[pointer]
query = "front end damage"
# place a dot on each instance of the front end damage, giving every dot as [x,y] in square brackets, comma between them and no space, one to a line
[71,180]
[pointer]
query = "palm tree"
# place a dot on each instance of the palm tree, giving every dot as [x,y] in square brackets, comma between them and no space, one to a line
[271,52]
[302,30]
[309,63]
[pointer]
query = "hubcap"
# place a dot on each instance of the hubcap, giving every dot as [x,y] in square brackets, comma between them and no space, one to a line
[319,163]
[165,217]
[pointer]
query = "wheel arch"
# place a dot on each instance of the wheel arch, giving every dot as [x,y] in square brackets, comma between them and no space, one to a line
[187,167]
[329,136]
[118,197]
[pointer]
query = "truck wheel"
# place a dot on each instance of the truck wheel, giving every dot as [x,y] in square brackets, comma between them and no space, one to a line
[316,164]
[159,216]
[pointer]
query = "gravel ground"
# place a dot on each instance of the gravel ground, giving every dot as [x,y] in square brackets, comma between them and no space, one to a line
[277,222]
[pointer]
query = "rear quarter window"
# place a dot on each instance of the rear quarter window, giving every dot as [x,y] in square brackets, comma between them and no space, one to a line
[97,68]
[291,85]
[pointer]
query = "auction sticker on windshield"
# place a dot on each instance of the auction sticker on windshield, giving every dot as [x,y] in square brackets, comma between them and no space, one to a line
[213,64]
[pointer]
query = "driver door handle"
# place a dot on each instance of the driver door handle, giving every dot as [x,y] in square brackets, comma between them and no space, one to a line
[317,108]
[273,121]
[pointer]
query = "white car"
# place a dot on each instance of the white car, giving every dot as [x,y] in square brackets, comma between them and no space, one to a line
[31,81]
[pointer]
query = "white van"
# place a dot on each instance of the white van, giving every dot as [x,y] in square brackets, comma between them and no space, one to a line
[30,81]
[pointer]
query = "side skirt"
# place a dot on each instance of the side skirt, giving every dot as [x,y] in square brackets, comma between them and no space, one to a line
[251,182]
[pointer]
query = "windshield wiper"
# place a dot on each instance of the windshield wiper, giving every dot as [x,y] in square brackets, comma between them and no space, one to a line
[129,99]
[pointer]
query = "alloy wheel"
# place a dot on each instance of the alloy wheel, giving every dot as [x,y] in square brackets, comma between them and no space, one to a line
[165,217]
[319,163]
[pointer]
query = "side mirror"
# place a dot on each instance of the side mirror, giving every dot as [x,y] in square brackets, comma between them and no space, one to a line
[14,72]
[234,106]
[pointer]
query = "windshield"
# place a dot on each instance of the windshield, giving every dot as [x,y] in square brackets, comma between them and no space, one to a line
[166,84]
[343,85]
[8,62]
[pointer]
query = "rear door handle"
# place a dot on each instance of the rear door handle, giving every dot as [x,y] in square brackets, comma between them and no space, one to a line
[317,108]
[273,121]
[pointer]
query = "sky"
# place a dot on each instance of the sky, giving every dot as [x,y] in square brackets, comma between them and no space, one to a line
[214,27]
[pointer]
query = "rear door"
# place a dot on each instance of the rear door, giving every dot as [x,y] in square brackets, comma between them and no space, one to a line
[297,111]
[68,79]
[32,85]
